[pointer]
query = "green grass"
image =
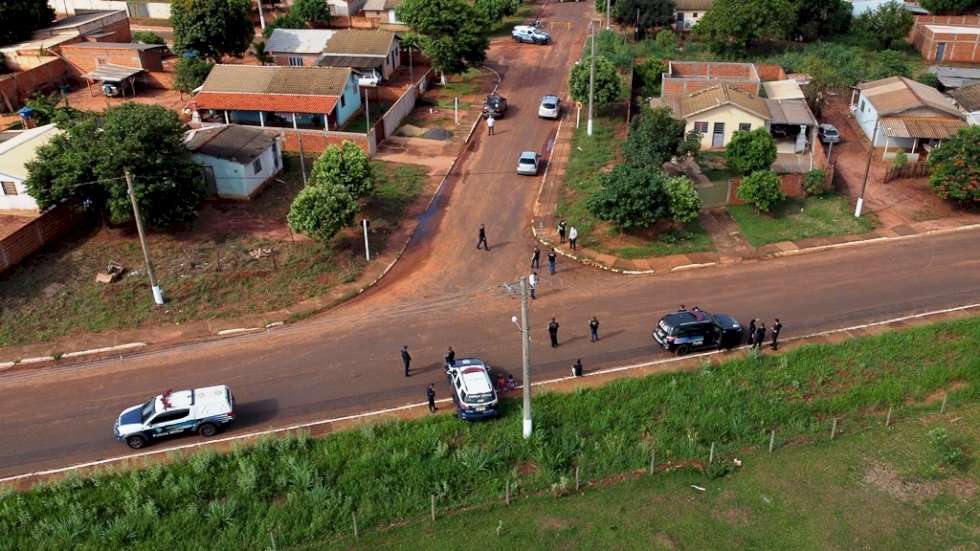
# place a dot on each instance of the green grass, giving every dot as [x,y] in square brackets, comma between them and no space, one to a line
[799,218]
[304,490]
[691,239]
[358,125]
[817,496]
[588,157]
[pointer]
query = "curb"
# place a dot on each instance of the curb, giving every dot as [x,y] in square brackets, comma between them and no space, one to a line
[38,359]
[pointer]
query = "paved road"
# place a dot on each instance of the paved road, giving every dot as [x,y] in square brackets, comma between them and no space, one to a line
[445,292]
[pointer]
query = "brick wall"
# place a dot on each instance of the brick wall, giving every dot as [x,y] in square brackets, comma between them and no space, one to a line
[18,87]
[156,79]
[45,229]
[315,142]
[84,59]
[689,69]
[960,47]
[770,72]
[969,20]
[673,87]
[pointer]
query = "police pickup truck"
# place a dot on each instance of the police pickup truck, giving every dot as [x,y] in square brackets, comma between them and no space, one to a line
[200,410]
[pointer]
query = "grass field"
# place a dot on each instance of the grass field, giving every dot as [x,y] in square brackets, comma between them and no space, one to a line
[303,491]
[799,218]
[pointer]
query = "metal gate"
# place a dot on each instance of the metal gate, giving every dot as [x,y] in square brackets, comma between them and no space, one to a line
[714,195]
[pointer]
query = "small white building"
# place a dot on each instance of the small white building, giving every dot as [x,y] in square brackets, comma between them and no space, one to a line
[297,47]
[15,153]
[968,98]
[238,160]
[687,13]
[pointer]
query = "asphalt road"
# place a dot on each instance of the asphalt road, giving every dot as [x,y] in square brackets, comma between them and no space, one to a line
[444,292]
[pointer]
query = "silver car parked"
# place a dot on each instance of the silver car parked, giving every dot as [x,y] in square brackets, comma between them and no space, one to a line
[550,107]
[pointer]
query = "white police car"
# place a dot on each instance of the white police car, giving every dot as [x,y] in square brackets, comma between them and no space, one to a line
[530,35]
[200,410]
[472,389]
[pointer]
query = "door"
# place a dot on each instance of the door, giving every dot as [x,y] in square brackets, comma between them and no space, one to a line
[940,50]
[680,21]
[718,136]
[209,178]
[170,422]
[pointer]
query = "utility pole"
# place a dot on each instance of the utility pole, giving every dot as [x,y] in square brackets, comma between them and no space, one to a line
[261,17]
[867,168]
[157,292]
[591,78]
[526,350]
[367,111]
[299,138]
[607,15]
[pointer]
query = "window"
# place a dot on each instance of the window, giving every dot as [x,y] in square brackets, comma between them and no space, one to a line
[862,106]
[168,416]
[342,102]
[701,127]
[9,188]
[257,166]
[695,15]
[295,61]
[744,126]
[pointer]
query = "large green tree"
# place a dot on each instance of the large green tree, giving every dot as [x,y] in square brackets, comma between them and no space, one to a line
[826,18]
[733,25]
[311,10]
[212,28]
[20,18]
[630,196]
[291,20]
[951,7]
[652,13]
[451,32]
[762,189]
[320,211]
[956,167]
[655,136]
[190,72]
[887,24]
[493,11]
[347,166]
[751,150]
[89,160]
[608,86]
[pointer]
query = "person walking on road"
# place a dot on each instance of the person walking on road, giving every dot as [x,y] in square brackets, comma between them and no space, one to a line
[535,258]
[490,124]
[594,328]
[572,236]
[552,257]
[430,393]
[553,332]
[450,357]
[751,331]
[483,238]
[532,281]
[406,358]
[561,231]
[776,328]
[760,335]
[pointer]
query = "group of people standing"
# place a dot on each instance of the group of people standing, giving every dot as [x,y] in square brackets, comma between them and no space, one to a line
[757,333]
[572,234]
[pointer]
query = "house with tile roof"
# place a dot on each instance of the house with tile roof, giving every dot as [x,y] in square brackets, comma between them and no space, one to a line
[687,13]
[902,113]
[297,47]
[15,153]
[319,98]
[238,160]
[367,52]
[383,11]
[968,98]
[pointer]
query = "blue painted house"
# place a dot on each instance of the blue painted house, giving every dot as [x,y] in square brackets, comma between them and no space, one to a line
[238,160]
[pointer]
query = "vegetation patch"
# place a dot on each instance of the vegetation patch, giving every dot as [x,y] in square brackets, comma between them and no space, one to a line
[300,490]
[799,218]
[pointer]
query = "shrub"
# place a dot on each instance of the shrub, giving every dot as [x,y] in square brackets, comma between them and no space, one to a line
[930,79]
[666,39]
[815,182]
[761,189]
[949,453]
[751,151]
[901,159]
[147,37]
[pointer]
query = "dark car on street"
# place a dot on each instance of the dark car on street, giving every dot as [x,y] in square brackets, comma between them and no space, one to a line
[495,104]
[688,330]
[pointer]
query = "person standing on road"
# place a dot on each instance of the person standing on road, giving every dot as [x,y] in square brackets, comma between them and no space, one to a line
[577,368]
[490,123]
[406,358]
[483,238]
[450,357]
[751,331]
[760,335]
[552,257]
[430,393]
[553,332]
[594,328]
[536,258]
[572,236]
[532,281]
[776,328]
[561,231]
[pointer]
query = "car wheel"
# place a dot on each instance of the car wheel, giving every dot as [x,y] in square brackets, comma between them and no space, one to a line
[682,350]
[135,442]
[207,430]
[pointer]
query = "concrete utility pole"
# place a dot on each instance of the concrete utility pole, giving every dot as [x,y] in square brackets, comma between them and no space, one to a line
[157,292]
[526,350]
[261,16]
[607,14]
[591,78]
[867,168]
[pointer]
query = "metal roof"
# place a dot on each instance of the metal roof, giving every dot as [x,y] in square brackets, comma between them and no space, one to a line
[689,5]
[17,151]
[968,97]
[298,41]
[921,127]
[112,73]
[955,77]
[717,96]
[360,42]
[895,95]
[116,46]
[241,144]
[352,61]
[783,89]
[790,111]
[381,5]
[271,80]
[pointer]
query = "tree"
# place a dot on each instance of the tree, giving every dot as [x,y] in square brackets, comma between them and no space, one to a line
[888,23]
[608,86]
[89,161]
[290,20]
[761,189]
[451,32]
[311,10]
[733,25]
[956,167]
[20,18]
[653,13]
[683,201]
[148,37]
[190,72]
[889,63]
[320,211]
[346,166]
[951,7]
[212,28]
[815,182]
[666,40]
[751,150]
[630,196]
[494,11]
[46,107]
[826,18]
[654,137]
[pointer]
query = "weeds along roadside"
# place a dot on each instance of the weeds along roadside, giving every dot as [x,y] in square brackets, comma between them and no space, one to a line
[303,489]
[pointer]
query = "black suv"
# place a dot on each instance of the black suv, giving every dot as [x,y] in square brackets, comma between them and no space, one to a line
[684,331]
[495,104]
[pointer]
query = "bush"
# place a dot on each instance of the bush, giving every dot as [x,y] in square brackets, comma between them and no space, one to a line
[147,37]
[751,151]
[815,182]
[762,189]
[889,63]
[666,39]
[930,79]
[901,159]
[949,453]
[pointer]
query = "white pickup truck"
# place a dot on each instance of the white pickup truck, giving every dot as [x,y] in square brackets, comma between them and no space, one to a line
[201,410]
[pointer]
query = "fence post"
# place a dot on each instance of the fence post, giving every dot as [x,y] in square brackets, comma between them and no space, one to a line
[942,408]
[772,440]
[653,460]
[833,429]
[433,498]
[353,516]
[711,454]
[507,492]
[888,419]
[576,478]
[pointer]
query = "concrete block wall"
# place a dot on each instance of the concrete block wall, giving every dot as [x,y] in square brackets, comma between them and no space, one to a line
[48,227]
[960,47]
[17,88]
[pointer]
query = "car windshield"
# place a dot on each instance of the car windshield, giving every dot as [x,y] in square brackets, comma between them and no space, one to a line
[148,410]
[527,161]
[548,105]
[830,131]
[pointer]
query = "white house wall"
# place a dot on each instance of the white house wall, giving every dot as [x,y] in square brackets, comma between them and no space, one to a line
[237,181]
[155,10]
[20,201]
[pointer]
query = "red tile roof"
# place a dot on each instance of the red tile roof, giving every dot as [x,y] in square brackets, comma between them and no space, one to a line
[317,105]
